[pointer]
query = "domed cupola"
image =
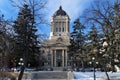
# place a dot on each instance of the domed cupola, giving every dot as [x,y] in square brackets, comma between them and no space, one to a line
[60,25]
[60,12]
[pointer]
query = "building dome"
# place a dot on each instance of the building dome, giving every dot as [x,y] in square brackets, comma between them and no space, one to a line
[60,12]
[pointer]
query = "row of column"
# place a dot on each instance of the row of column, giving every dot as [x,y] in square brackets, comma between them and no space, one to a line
[54,60]
[61,25]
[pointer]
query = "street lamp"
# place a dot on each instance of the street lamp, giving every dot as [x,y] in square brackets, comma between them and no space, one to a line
[21,62]
[94,66]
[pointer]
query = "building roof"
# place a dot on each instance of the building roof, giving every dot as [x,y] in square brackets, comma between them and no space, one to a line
[60,12]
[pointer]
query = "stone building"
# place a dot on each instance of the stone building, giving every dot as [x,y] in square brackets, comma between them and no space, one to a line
[56,47]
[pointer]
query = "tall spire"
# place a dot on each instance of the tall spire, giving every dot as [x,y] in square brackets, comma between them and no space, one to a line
[60,12]
[60,8]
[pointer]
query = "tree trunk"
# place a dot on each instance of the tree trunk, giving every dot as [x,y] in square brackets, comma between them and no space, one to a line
[107,74]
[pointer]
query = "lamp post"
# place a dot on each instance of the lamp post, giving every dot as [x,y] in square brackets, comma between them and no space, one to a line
[21,63]
[94,66]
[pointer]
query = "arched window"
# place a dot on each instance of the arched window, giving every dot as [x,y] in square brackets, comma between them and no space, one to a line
[60,39]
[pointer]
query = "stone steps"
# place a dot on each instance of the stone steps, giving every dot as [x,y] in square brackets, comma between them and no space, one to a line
[50,75]
[58,68]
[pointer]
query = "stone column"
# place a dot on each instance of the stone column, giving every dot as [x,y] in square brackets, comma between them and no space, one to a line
[51,52]
[66,58]
[60,26]
[67,25]
[64,26]
[63,58]
[55,58]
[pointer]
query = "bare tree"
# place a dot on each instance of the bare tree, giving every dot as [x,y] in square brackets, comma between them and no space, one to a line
[5,40]
[37,9]
[105,14]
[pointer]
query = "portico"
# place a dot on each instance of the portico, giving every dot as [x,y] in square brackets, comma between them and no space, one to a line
[59,57]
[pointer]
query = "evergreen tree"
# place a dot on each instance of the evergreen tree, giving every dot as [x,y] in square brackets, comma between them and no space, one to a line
[27,44]
[77,42]
[94,37]
[94,43]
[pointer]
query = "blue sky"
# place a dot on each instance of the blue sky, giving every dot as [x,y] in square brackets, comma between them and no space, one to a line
[74,9]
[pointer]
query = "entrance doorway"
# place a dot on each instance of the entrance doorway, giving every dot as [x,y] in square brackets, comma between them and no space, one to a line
[59,64]
[59,58]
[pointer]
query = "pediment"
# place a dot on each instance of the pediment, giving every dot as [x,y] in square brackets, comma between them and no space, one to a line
[58,44]
[59,39]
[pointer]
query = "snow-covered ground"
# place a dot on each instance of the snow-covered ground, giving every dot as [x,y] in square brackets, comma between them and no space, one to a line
[99,75]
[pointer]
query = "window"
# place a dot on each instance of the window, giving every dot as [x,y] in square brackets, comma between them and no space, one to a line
[49,57]
[59,39]
[63,29]
[59,29]
[56,29]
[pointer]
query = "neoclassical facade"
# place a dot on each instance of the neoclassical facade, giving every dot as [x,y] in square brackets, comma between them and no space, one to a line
[56,47]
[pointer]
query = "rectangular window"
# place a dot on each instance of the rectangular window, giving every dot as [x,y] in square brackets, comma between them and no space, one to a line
[59,29]
[56,29]
[62,29]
